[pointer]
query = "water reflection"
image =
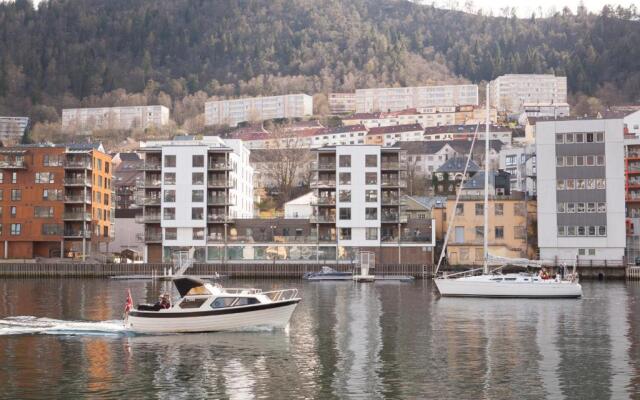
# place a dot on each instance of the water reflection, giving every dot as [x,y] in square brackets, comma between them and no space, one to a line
[383,340]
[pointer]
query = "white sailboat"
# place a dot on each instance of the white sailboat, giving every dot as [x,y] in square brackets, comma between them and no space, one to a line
[492,283]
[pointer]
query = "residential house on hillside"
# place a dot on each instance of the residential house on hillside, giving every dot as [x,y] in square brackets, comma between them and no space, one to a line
[447,178]
[388,135]
[453,132]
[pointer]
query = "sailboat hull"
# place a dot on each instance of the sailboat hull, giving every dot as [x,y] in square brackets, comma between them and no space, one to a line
[476,288]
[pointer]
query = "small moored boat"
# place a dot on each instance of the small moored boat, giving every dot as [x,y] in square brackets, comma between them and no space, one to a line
[328,274]
[205,307]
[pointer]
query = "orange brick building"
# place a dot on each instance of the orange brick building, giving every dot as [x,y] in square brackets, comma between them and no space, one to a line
[49,201]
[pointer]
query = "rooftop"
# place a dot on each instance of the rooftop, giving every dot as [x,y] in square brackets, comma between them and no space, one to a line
[457,164]
[464,129]
[395,129]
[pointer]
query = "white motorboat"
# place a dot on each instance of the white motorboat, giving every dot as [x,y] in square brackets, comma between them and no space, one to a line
[206,307]
[509,285]
[490,283]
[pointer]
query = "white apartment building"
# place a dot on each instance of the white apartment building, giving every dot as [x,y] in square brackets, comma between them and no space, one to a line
[12,128]
[114,117]
[520,163]
[308,139]
[342,103]
[581,189]
[428,116]
[511,92]
[396,99]
[193,189]
[253,109]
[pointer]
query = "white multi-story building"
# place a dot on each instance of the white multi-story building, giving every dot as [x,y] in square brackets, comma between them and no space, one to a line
[12,128]
[520,163]
[193,189]
[511,92]
[402,98]
[342,103]
[114,117]
[253,109]
[581,189]
[429,116]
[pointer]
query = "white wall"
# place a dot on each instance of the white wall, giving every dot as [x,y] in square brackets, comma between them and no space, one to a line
[632,123]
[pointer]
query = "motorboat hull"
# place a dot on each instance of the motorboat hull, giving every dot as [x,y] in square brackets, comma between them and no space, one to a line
[275,315]
[340,276]
[470,288]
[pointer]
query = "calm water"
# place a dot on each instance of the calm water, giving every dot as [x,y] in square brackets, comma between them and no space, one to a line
[383,340]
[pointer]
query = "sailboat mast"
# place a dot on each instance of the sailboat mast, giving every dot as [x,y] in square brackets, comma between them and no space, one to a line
[486,187]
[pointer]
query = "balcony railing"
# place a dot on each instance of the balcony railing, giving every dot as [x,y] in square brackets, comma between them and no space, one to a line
[77,181]
[222,218]
[416,239]
[152,183]
[323,165]
[151,166]
[78,164]
[323,183]
[76,215]
[394,218]
[320,219]
[393,165]
[218,183]
[216,200]
[147,218]
[11,164]
[218,166]
[149,237]
[77,234]
[324,201]
[77,199]
[394,183]
[147,201]
[387,201]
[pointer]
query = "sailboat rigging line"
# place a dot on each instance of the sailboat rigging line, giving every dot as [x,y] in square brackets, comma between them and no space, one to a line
[455,207]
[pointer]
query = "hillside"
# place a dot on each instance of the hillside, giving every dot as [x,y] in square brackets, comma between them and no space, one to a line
[72,52]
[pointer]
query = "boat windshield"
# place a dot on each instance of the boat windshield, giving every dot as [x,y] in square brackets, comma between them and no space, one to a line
[198,290]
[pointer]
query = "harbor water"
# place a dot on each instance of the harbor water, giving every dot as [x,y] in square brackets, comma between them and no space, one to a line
[63,338]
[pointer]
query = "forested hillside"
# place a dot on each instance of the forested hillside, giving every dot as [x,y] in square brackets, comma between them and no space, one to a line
[72,52]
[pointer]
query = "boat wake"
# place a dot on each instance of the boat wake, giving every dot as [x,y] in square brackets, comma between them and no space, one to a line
[29,325]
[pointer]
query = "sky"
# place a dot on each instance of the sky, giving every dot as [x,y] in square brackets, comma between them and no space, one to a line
[524,9]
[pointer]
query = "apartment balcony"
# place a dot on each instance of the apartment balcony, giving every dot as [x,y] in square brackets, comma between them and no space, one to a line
[633,198]
[152,183]
[151,166]
[415,238]
[390,201]
[394,218]
[393,166]
[327,238]
[149,237]
[323,183]
[219,218]
[324,201]
[323,166]
[76,216]
[148,218]
[12,164]
[147,201]
[78,164]
[219,166]
[217,201]
[218,183]
[77,234]
[215,237]
[393,183]
[77,181]
[322,219]
[70,199]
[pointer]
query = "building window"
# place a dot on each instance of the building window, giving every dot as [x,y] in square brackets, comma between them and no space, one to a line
[499,230]
[197,178]
[479,232]
[602,231]
[16,229]
[14,177]
[345,178]
[460,209]
[600,135]
[170,195]
[197,213]
[371,178]
[169,178]
[499,209]
[43,212]
[198,234]
[50,229]
[371,160]
[197,196]
[371,233]
[371,196]
[197,160]
[16,194]
[510,160]
[106,168]
[345,233]
[169,213]
[479,209]
[44,177]
[170,233]
[371,213]
[345,196]
[1,177]
[345,160]
[345,213]
[559,138]
[170,160]
[561,231]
